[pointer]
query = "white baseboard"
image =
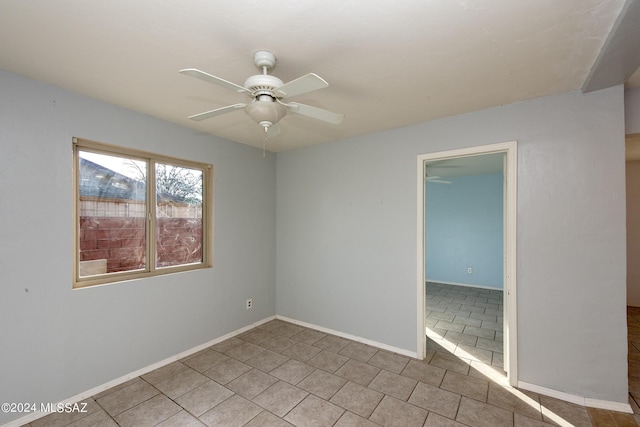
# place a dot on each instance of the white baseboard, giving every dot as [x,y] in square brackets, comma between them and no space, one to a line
[372,343]
[578,400]
[468,285]
[86,394]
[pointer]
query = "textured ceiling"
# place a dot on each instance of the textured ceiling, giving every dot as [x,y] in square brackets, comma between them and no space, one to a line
[388,63]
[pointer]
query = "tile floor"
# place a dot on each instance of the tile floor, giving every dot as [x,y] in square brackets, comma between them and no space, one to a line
[281,374]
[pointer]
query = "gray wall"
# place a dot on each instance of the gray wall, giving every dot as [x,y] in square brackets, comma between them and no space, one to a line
[346,234]
[58,342]
[632,110]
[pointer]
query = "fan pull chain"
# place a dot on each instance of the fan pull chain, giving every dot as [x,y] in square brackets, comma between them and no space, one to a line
[264,143]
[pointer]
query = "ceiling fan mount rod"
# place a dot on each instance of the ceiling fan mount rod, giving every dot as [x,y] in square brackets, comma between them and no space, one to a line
[264,60]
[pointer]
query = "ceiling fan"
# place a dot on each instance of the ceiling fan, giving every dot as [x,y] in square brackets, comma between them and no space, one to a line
[268,93]
[437,179]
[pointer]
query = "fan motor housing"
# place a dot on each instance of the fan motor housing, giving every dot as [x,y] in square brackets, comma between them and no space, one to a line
[263,84]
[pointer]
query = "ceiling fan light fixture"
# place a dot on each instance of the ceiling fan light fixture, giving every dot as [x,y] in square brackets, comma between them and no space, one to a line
[264,110]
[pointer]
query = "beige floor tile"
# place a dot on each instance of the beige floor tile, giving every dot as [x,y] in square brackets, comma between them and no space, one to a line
[434,399]
[490,344]
[466,385]
[182,419]
[349,419]
[435,420]
[116,388]
[205,360]
[442,315]
[278,343]
[161,374]
[308,336]
[449,326]
[460,338]
[96,419]
[287,329]
[313,411]
[251,384]
[478,414]
[523,402]
[520,420]
[244,351]
[256,336]
[292,371]
[473,353]
[554,409]
[392,412]
[280,398]
[467,321]
[357,399]
[227,371]
[201,399]
[394,385]
[236,411]
[358,351]
[267,419]
[301,351]
[498,360]
[227,344]
[181,383]
[148,413]
[327,361]
[450,362]
[479,332]
[332,343]
[440,344]
[424,372]
[389,361]
[267,360]
[482,316]
[127,397]
[322,384]
[272,325]
[358,372]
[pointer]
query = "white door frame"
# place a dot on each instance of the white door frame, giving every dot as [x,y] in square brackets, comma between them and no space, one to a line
[510,206]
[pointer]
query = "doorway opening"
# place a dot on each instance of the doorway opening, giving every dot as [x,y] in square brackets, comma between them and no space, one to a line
[432,172]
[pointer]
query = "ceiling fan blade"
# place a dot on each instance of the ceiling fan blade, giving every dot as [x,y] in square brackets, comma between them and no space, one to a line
[316,113]
[213,79]
[439,181]
[431,178]
[301,85]
[216,112]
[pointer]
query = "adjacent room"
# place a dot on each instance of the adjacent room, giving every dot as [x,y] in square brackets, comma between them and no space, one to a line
[218,213]
[465,257]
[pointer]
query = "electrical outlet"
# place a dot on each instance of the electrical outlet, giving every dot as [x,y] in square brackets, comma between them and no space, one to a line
[249,304]
[469,270]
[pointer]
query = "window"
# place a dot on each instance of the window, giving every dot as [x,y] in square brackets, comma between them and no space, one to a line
[138,214]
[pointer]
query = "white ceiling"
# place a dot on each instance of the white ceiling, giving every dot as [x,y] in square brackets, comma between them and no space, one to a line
[389,63]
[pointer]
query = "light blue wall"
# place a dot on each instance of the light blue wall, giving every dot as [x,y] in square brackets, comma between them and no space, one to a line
[58,342]
[347,234]
[464,228]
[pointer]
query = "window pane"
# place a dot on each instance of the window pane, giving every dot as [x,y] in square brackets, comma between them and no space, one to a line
[178,215]
[112,232]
